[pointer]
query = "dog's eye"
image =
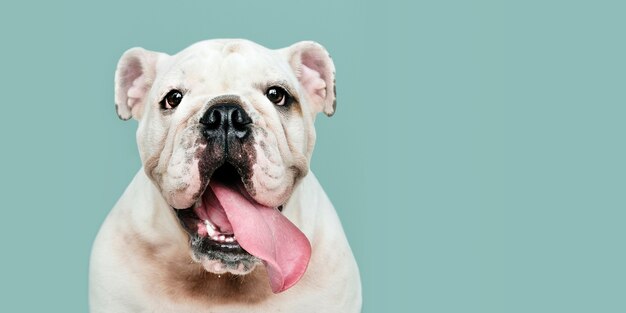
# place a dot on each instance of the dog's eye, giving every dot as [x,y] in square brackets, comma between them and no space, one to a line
[172,99]
[277,95]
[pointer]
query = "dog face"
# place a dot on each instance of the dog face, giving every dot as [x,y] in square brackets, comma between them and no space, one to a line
[225,132]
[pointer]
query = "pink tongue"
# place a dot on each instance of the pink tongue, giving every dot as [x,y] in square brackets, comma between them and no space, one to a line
[265,233]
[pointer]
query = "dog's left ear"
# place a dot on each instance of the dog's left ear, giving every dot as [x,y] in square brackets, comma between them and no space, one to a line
[316,72]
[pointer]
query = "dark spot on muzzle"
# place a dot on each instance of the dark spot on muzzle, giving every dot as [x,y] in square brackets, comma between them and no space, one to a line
[227,130]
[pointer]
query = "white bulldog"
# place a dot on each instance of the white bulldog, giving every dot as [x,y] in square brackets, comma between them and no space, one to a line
[224,215]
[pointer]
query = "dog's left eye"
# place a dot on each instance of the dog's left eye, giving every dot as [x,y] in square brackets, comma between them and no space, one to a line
[277,95]
[172,99]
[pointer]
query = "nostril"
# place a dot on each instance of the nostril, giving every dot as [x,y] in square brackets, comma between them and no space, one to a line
[214,119]
[226,120]
[239,120]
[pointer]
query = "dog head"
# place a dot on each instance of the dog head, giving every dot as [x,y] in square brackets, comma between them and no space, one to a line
[225,133]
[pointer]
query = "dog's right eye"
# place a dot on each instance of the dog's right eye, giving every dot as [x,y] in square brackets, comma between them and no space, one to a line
[172,99]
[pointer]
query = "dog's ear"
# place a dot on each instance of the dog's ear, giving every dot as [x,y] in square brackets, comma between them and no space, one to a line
[316,72]
[134,76]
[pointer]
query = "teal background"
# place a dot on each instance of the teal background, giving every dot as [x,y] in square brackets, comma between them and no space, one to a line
[476,158]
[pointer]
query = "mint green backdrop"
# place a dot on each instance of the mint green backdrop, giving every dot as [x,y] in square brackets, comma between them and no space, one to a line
[476,158]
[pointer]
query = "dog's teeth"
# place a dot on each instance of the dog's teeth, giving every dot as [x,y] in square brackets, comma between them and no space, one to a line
[209,224]
[215,235]
[210,229]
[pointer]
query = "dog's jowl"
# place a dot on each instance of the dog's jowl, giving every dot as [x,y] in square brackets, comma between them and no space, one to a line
[224,215]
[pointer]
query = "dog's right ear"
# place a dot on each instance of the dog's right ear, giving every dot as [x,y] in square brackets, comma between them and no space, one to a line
[134,76]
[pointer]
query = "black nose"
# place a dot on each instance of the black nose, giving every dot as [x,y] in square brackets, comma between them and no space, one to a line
[229,120]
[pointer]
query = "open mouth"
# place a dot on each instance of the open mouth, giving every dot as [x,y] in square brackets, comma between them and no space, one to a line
[211,232]
[228,226]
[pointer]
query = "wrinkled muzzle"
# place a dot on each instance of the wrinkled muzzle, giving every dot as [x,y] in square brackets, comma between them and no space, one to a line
[226,222]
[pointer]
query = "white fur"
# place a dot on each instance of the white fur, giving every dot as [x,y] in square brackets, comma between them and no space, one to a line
[120,280]
[330,284]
